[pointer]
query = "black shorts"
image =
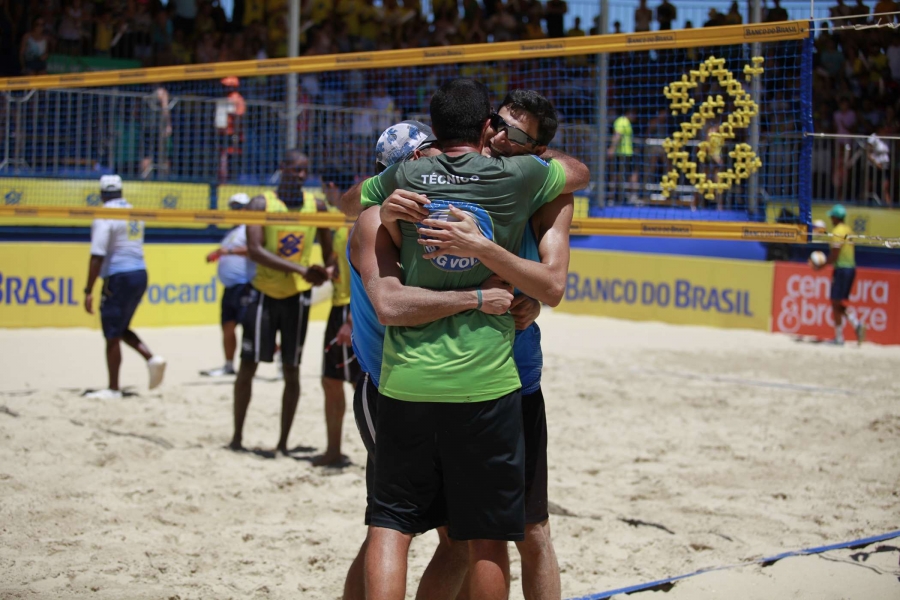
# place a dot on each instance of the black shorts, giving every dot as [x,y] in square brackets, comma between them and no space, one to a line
[235,299]
[122,293]
[842,283]
[365,409]
[338,362]
[534,424]
[470,456]
[267,316]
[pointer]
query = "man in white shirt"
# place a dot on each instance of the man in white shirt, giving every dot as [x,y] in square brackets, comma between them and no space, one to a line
[236,271]
[117,255]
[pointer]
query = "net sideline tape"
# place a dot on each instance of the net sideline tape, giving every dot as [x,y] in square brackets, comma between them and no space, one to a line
[595,44]
[772,559]
[716,230]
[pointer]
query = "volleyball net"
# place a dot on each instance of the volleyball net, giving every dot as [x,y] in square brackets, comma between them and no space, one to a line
[688,133]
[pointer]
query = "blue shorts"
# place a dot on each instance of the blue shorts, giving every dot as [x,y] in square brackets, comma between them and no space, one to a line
[842,283]
[235,300]
[122,293]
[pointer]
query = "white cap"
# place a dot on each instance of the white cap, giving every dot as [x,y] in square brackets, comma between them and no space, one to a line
[818,224]
[240,198]
[110,183]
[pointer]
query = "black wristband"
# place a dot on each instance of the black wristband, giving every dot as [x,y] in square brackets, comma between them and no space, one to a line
[88,290]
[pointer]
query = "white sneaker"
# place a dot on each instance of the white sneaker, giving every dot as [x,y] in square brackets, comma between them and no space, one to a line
[157,368]
[104,395]
[218,372]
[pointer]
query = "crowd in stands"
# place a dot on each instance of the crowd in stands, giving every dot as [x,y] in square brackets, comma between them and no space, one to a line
[856,83]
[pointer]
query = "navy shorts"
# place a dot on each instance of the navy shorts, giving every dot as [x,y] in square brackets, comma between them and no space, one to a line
[842,283]
[122,293]
[235,300]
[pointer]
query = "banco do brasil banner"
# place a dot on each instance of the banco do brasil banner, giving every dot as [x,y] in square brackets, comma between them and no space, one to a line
[671,289]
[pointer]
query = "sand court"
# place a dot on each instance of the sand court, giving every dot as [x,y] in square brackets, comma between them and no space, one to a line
[672,449]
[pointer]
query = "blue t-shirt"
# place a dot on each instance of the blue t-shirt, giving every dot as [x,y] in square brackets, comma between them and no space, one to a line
[368,333]
[527,347]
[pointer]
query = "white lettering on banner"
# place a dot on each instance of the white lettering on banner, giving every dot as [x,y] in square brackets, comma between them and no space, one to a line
[444,178]
[682,294]
[808,303]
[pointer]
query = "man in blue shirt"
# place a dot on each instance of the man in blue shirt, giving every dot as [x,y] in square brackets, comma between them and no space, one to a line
[117,255]
[235,272]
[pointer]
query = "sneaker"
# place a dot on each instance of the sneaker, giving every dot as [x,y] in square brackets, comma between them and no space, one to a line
[860,334]
[226,370]
[157,368]
[104,395]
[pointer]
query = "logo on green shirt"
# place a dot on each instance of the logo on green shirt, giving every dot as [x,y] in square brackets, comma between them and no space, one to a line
[440,211]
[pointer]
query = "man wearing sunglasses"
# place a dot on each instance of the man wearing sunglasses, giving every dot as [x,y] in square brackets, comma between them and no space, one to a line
[525,123]
[450,378]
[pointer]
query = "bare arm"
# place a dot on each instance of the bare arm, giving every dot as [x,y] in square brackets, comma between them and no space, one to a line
[377,258]
[94,266]
[314,274]
[350,202]
[545,280]
[578,176]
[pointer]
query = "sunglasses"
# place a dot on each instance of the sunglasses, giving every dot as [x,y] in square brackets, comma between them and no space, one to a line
[513,133]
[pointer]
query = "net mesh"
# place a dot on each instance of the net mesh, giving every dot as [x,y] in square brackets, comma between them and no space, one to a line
[702,132]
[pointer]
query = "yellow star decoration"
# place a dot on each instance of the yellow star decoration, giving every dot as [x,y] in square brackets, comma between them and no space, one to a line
[746,162]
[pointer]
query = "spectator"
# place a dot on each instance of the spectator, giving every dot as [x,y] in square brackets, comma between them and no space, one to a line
[156,130]
[839,12]
[621,150]
[879,158]
[554,12]
[185,15]
[643,16]
[845,120]
[104,30]
[776,14]
[893,57]
[885,6]
[70,28]
[229,124]
[734,15]
[666,13]
[576,30]
[715,18]
[617,27]
[860,13]
[33,51]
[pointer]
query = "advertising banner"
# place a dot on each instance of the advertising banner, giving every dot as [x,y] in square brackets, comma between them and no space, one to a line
[801,303]
[42,285]
[671,289]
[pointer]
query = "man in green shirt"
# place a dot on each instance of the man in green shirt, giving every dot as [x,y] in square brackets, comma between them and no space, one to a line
[621,149]
[450,389]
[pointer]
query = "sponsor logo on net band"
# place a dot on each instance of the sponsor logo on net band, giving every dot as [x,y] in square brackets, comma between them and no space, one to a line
[653,229]
[766,30]
[650,38]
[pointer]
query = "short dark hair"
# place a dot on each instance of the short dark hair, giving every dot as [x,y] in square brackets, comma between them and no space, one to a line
[539,107]
[459,110]
[293,155]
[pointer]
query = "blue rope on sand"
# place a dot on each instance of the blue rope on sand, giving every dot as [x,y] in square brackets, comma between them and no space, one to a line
[668,583]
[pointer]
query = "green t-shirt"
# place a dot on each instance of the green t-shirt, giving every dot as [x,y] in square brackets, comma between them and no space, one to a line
[466,357]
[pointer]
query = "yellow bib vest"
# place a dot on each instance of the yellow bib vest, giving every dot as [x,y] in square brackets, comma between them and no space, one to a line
[341,294]
[292,242]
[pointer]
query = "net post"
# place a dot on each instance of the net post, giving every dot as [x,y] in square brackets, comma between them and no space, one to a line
[602,109]
[755,91]
[291,95]
[806,144]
